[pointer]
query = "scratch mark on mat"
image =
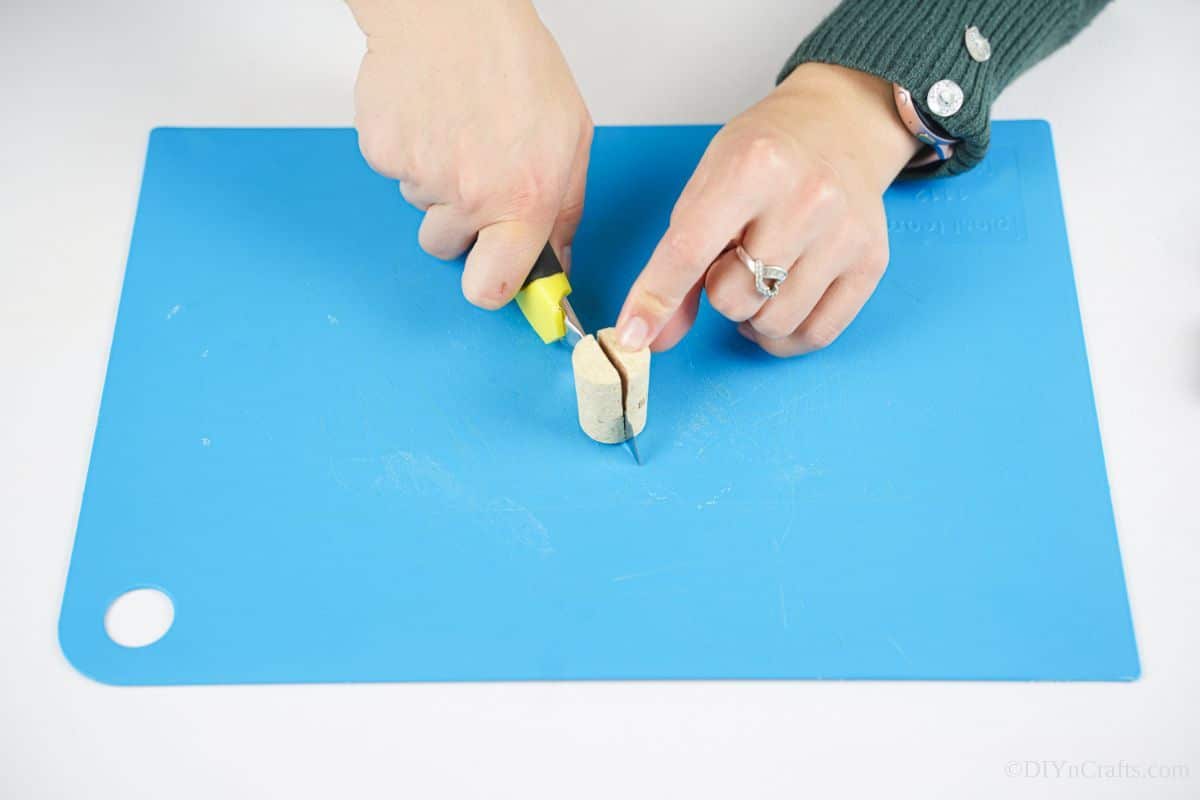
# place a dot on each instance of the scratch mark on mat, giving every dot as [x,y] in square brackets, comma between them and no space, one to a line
[716,498]
[709,421]
[656,571]
[332,319]
[719,389]
[175,309]
[204,353]
[418,475]
[896,645]
[781,540]
[205,441]
[424,475]
[528,529]
[476,435]
[800,472]
[783,611]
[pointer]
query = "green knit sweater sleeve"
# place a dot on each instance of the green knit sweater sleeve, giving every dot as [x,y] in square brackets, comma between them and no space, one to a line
[916,43]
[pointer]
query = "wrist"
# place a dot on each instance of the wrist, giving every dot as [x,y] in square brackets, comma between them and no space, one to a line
[387,17]
[863,131]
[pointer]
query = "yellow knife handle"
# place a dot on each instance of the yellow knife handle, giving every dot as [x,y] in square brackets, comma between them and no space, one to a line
[540,299]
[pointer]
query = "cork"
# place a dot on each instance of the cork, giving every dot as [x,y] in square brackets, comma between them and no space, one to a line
[610,383]
[634,368]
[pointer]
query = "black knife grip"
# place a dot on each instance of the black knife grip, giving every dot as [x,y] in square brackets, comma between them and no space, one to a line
[547,264]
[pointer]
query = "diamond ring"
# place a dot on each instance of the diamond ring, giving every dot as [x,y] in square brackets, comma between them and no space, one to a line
[767,277]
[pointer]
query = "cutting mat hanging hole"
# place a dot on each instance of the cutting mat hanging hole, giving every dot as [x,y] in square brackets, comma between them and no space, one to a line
[139,618]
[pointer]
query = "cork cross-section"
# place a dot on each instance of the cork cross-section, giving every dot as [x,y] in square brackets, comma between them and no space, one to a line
[611,385]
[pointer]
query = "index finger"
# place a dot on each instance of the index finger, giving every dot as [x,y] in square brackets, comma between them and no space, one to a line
[710,213]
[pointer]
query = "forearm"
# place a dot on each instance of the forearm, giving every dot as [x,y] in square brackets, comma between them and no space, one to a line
[916,43]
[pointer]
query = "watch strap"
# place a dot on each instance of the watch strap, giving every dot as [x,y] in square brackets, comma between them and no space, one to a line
[940,146]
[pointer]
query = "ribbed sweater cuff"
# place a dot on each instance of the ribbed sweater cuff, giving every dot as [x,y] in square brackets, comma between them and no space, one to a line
[916,43]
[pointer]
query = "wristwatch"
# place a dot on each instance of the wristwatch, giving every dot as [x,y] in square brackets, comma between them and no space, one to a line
[941,145]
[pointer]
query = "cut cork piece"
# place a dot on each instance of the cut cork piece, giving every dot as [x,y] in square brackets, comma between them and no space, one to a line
[609,383]
[598,393]
[634,368]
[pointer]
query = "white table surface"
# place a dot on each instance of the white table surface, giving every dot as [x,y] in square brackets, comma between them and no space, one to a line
[81,84]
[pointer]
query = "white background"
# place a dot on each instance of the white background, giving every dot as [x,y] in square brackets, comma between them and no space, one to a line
[82,83]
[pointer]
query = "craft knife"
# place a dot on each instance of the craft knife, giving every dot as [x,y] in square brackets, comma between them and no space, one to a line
[543,301]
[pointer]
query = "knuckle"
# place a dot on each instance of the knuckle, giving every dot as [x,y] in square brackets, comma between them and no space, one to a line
[725,301]
[529,193]
[679,244]
[413,196]
[855,238]
[438,248]
[429,239]
[773,327]
[822,188]
[518,196]
[780,348]
[866,248]
[475,191]
[766,151]
[876,256]
[764,157]
[870,263]
[656,303]
[817,334]
[472,191]
[431,246]
[380,150]
[571,212]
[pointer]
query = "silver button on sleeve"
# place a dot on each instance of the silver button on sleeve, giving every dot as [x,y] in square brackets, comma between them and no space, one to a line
[945,98]
[978,46]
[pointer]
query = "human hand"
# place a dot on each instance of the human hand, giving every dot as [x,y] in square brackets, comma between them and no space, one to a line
[798,181]
[471,107]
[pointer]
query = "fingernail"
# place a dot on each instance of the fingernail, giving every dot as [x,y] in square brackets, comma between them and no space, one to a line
[632,334]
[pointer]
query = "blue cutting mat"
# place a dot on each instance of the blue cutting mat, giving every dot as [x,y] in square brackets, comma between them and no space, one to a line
[340,471]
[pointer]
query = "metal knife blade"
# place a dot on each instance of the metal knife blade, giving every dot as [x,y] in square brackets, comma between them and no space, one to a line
[574,333]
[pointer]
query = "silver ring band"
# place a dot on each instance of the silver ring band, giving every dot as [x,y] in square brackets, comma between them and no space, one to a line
[767,277]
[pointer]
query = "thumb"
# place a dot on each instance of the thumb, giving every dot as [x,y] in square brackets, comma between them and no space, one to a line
[501,259]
